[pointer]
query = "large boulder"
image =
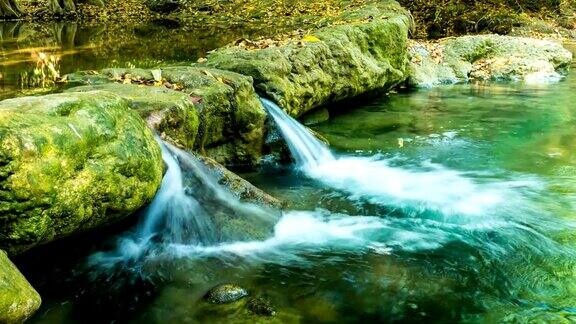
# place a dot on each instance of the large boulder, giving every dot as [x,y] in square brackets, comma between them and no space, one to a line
[70,163]
[363,51]
[486,58]
[171,113]
[227,119]
[18,300]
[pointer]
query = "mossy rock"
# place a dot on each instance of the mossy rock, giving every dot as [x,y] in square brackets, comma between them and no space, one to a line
[171,113]
[487,58]
[244,190]
[231,118]
[18,300]
[334,63]
[70,163]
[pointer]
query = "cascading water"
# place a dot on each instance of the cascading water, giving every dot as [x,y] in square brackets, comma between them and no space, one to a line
[173,214]
[429,187]
[190,209]
[305,148]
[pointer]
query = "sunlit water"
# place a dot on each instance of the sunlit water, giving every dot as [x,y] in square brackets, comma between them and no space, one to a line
[451,204]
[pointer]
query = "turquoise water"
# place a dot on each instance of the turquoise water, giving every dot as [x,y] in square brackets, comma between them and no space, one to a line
[443,205]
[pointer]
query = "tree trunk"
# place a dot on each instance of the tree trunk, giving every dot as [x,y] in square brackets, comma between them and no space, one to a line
[61,7]
[65,34]
[9,9]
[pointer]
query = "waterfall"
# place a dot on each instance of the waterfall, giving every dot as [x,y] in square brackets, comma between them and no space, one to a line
[306,149]
[174,214]
[426,187]
[192,209]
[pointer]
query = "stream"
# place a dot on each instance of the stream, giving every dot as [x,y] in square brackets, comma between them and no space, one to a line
[449,204]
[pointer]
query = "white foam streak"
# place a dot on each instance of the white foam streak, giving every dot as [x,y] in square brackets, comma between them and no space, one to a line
[434,188]
[437,189]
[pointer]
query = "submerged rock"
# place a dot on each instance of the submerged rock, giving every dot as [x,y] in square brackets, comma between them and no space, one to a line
[70,163]
[261,306]
[486,57]
[367,52]
[226,293]
[243,189]
[316,116]
[18,300]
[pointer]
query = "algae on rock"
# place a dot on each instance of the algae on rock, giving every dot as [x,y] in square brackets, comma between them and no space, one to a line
[69,163]
[337,62]
[486,57]
[227,122]
[171,113]
[18,300]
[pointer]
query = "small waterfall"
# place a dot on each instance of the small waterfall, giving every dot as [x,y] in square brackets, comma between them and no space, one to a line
[190,209]
[173,214]
[306,149]
[426,187]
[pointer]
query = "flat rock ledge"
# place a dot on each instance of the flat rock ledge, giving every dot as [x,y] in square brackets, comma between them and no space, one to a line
[487,58]
[331,64]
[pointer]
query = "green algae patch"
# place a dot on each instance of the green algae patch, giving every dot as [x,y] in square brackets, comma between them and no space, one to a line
[70,163]
[18,300]
[171,113]
[227,120]
[333,63]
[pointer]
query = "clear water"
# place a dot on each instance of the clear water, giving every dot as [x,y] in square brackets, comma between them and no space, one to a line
[443,205]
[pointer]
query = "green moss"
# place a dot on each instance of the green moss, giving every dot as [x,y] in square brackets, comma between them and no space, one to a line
[348,60]
[18,300]
[170,112]
[69,163]
[227,119]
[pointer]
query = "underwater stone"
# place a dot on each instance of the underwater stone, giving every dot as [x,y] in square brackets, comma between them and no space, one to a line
[226,293]
[316,116]
[70,163]
[18,300]
[261,306]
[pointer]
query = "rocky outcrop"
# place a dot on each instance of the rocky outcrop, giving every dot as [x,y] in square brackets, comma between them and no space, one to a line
[364,52]
[486,58]
[171,113]
[213,111]
[70,163]
[243,189]
[18,300]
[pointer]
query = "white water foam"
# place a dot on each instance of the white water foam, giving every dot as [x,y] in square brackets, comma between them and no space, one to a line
[431,187]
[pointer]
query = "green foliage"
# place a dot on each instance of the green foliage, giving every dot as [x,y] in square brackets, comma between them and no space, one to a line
[443,18]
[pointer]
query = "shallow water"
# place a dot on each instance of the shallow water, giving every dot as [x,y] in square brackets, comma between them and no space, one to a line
[451,204]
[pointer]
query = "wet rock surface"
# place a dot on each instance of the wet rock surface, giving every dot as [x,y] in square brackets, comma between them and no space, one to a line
[332,64]
[486,58]
[225,293]
[260,306]
[70,163]
[215,112]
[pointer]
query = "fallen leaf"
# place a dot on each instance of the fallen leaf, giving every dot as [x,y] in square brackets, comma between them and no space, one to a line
[310,39]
